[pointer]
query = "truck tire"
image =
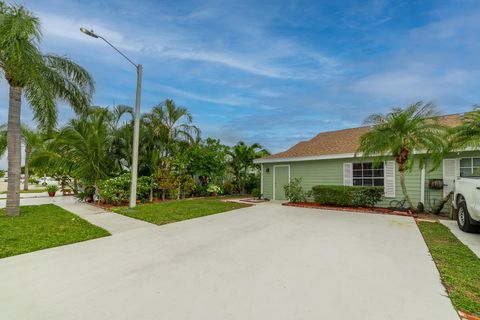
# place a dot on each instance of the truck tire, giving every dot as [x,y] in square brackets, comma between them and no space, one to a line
[463,218]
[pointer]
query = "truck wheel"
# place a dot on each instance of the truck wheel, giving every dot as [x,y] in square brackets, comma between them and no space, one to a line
[463,218]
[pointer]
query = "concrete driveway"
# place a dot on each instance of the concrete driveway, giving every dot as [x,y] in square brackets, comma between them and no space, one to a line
[262,262]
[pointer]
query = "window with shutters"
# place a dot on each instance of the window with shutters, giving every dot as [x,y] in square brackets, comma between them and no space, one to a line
[470,167]
[368,174]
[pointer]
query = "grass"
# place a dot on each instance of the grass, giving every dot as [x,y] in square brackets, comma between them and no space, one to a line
[43,226]
[459,267]
[27,191]
[173,211]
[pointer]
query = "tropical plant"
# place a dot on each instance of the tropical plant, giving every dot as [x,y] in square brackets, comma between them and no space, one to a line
[51,188]
[41,78]
[81,149]
[241,161]
[400,133]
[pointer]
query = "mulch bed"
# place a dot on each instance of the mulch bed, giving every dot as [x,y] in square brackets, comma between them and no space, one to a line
[313,205]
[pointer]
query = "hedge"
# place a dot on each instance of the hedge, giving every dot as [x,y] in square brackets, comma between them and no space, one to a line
[347,196]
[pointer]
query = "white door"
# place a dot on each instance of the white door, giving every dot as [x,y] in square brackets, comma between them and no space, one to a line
[449,175]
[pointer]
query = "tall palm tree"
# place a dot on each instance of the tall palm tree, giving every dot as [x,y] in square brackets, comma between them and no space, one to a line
[402,132]
[40,78]
[468,133]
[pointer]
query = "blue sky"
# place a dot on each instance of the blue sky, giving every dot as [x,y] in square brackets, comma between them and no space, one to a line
[273,72]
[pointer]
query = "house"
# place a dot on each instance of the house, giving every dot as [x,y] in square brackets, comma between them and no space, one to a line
[329,159]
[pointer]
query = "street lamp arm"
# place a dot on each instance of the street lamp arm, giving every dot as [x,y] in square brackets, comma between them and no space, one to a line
[123,55]
[92,34]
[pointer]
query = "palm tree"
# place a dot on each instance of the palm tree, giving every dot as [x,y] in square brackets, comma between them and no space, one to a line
[171,123]
[402,132]
[468,133]
[31,139]
[83,145]
[40,78]
[241,161]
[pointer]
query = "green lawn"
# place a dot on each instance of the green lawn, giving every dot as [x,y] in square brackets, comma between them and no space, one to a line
[28,191]
[459,267]
[41,227]
[173,211]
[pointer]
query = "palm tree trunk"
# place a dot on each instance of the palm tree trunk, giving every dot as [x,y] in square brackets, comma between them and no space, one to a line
[14,151]
[27,156]
[404,189]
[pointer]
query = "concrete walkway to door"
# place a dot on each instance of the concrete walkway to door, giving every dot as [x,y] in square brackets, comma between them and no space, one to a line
[261,262]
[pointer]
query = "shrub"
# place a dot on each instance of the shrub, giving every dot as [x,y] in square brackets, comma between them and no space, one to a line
[348,195]
[117,190]
[201,191]
[294,191]
[256,193]
[213,188]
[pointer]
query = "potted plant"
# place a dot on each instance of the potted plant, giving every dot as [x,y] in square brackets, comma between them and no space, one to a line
[51,189]
[214,190]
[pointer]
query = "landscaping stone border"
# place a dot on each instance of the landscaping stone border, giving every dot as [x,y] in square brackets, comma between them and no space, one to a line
[312,205]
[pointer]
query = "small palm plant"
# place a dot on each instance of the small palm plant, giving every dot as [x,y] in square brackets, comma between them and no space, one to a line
[40,78]
[403,132]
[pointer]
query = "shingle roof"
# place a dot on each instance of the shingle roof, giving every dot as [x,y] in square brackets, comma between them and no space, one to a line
[337,142]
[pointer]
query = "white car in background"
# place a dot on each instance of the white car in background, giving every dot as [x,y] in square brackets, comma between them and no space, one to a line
[48,181]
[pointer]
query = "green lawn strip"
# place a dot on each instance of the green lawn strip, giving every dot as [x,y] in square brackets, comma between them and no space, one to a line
[173,211]
[459,267]
[43,226]
[28,191]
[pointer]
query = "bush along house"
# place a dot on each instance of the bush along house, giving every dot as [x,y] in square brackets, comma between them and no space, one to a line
[330,159]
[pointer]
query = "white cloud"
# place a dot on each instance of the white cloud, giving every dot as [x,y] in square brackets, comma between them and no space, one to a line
[233,100]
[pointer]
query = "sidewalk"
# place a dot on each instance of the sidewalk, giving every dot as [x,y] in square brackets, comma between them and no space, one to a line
[112,222]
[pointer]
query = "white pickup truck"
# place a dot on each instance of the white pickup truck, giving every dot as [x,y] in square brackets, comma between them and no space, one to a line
[466,200]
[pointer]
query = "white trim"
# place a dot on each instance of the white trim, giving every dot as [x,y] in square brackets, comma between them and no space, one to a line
[281,165]
[293,159]
[337,156]
[422,185]
[261,180]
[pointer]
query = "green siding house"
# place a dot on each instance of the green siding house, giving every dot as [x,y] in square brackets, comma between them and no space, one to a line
[329,159]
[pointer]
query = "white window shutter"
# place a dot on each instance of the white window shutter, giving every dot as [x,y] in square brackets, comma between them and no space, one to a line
[449,175]
[347,174]
[389,175]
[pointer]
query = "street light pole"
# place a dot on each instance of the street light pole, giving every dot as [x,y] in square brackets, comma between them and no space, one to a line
[136,135]
[136,120]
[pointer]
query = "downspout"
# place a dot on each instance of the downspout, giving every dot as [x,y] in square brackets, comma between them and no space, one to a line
[261,180]
[422,185]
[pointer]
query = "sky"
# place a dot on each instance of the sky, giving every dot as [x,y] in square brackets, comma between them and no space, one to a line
[272,72]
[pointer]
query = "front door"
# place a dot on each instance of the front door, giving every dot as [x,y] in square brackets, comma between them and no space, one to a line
[280,175]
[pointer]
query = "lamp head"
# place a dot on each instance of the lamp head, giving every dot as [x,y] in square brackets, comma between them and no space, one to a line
[89,32]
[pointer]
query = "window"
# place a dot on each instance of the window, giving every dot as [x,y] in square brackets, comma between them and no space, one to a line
[469,167]
[368,174]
